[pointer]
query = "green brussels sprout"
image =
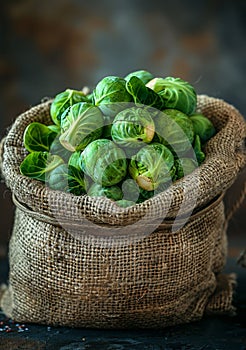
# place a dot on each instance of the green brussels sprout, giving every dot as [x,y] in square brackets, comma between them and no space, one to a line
[56,148]
[77,182]
[112,192]
[176,93]
[38,137]
[130,189]
[55,128]
[132,192]
[68,179]
[104,162]
[38,165]
[144,194]
[141,74]
[64,100]
[90,98]
[142,95]
[133,127]
[202,126]
[174,129]
[106,133]
[80,124]
[75,160]
[200,155]
[110,94]
[152,166]
[184,166]
[124,203]
[58,178]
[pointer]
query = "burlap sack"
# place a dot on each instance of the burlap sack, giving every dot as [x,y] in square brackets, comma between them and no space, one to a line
[84,262]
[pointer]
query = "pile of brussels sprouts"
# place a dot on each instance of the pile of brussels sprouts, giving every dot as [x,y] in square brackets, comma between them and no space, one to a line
[127,140]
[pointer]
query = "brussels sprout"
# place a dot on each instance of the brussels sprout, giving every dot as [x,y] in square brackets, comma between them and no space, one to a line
[130,189]
[80,124]
[132,192]
[200,155]
[141,74]
[152,166]
[58,178]
[176,93]
[75,160]
[104,162]
[106,133]
[55,128]
[90,98]
[184,166]
[38,165]
[112,192]
[68,179]
[124,203]
[144,195]
[64,100]
[202,126]
[57,149]
[38,137]
[77,182]
[143,95]
[109,95]
[175,130]
[133,127]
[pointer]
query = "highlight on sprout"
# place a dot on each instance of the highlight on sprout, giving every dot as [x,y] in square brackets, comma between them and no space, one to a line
[126,140]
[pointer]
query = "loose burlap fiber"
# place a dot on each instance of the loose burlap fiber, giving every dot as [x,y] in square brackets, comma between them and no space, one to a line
[84,262]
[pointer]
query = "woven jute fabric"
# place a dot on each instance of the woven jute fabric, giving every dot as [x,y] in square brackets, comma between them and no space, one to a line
[84,262]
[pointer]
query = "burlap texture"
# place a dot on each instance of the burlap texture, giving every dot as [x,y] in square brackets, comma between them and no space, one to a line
[61,273]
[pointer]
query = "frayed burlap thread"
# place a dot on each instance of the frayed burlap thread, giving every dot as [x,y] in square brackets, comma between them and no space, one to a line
[62,272]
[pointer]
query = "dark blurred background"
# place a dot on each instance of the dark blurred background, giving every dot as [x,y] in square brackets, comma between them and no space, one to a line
[48,46]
